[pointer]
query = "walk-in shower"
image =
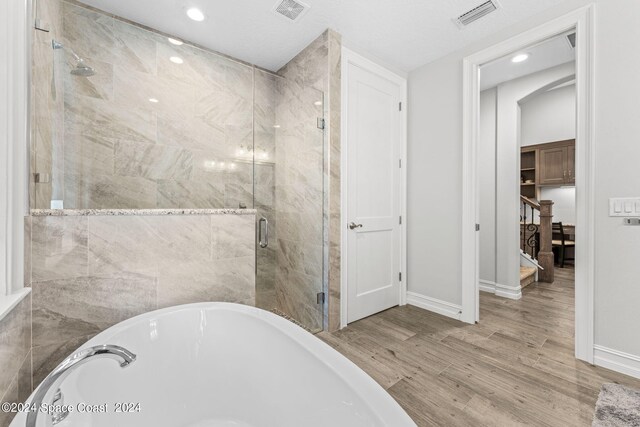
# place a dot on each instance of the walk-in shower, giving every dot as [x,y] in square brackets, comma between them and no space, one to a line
[163,127]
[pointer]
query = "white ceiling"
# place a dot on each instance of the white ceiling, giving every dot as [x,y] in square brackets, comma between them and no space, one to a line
[545,55]
[404,33]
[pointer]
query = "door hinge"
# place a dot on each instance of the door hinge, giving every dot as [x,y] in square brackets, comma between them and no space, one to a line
[400,220]
[400,276]
[320,123]
[477,227]
[320,298]
[41,178]
[400,106]
[41,25]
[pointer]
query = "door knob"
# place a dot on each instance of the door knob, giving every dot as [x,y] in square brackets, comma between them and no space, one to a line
[353,225]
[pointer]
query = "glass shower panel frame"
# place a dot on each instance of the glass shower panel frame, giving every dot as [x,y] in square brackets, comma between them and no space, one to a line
[289,199]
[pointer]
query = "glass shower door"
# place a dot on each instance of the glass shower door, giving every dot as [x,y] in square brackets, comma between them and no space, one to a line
[289,198]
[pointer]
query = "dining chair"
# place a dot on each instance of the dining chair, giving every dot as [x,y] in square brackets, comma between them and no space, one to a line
[560,241]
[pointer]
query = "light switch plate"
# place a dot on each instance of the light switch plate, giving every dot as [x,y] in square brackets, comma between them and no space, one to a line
[624,206]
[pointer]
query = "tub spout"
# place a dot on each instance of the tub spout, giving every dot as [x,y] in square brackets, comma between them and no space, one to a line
[52,382]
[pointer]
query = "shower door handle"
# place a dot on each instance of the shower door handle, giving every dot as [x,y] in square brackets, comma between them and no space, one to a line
[265,243]
[353,226]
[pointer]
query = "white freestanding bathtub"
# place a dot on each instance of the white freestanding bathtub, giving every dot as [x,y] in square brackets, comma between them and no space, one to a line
[219,364]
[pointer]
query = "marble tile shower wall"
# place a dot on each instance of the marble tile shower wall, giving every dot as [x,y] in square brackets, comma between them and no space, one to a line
[319,66]
[121,150]
[46,119]
[91,272]
[299,196]
[15,357]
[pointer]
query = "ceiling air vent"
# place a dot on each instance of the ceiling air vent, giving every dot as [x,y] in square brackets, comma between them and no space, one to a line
[291,9]
[476,13]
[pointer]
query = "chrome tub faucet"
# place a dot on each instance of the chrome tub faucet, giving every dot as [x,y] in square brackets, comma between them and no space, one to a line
[52,382]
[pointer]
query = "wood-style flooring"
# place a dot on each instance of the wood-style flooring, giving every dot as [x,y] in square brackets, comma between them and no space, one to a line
[516,367]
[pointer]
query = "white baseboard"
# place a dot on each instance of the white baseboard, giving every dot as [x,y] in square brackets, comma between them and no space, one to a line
[437,306]
[488,286]
[504,291]
[615,360]
[511,292]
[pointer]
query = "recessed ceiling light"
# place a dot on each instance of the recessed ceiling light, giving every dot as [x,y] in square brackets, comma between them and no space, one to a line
[176,60]
[175,41]
[195,14]
[318,103]
[520,57]
[154,100]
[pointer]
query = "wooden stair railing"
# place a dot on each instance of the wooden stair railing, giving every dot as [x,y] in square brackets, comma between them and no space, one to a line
[536,236]
[529,227]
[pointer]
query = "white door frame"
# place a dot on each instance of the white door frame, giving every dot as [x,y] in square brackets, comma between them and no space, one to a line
[350,57]
[15,94]
[582,20]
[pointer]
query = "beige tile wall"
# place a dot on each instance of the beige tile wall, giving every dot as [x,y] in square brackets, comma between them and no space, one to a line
[299,202]
[319,66]
[332,193]
[15,357]
[91,272]
[46,120]
[107,146]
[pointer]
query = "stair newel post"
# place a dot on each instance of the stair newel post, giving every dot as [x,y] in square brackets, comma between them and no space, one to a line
[545,257]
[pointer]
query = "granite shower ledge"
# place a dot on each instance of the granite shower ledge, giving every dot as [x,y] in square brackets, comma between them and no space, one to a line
[139,212]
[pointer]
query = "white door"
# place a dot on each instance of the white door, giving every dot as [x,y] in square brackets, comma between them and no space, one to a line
[373,200]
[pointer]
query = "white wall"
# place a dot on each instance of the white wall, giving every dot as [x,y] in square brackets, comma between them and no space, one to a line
[564,203]
[13,141]
[434,181]
[354,47]
[435,162]
[5,108]
[487,185]
[548,117]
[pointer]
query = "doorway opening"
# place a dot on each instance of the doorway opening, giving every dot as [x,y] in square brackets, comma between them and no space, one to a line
[516,236]
[528,103]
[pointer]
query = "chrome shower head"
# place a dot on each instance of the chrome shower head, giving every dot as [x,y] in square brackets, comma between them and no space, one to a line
[82,69]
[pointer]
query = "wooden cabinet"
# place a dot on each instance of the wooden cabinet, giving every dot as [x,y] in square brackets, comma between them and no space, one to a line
[551,164]
[571,163]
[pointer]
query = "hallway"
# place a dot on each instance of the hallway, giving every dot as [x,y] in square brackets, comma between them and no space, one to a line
[514,368]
